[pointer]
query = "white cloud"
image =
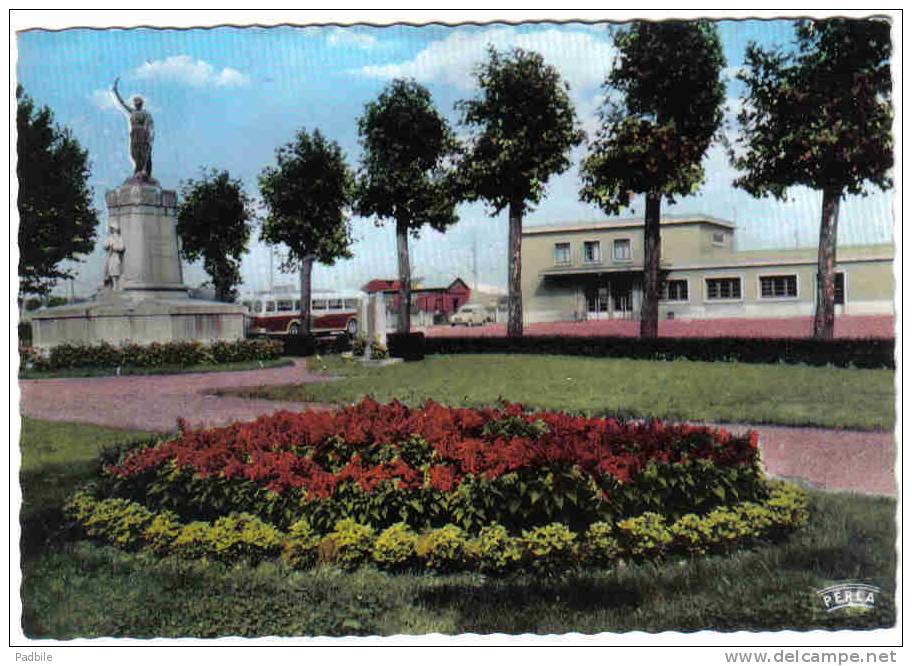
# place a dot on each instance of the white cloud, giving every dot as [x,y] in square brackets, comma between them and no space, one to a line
[581,56]
[184,69]
[351,38]
[104,99]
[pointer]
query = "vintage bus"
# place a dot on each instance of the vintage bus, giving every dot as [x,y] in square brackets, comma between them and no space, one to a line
[280,314]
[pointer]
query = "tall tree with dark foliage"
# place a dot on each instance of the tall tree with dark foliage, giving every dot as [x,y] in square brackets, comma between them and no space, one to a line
[819,115]
[664,106]
[525,129]
[56,218]
[404,173]
[213,224]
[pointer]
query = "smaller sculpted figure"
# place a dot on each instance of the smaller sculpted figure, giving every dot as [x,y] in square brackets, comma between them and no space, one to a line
[114,249]
[142,132]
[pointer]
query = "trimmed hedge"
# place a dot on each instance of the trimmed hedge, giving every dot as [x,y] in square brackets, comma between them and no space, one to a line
[157,354]
[546,549]
[407,346]
[861,352]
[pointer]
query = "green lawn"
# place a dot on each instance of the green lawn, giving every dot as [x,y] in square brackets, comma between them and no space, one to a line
[719,392]
[160,370]
[74,588]
[56,458]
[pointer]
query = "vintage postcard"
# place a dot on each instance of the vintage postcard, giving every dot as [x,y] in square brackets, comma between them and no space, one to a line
[525,330]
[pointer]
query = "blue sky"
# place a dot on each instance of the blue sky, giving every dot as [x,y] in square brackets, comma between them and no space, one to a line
[228,97]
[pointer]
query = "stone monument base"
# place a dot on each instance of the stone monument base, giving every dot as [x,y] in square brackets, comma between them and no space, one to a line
[118,317]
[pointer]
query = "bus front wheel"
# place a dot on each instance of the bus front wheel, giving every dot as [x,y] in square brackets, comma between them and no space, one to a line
[352,327]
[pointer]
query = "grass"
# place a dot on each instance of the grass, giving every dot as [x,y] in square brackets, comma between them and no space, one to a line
[75,588]
[678,390]
[56,458]
[160,370]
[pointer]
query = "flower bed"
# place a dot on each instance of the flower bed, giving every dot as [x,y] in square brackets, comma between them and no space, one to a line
[179,353]
[547,549]
[432,466]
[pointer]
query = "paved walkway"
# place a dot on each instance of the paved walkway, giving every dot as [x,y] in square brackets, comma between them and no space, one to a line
[847,326]
[836,459]
[154,402]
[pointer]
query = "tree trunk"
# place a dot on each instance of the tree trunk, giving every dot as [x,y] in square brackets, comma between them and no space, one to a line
[824,317]
[306,270]
[514,281]
[652,255]
[404,324]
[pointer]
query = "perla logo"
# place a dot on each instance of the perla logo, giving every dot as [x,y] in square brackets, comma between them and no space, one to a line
[845,595]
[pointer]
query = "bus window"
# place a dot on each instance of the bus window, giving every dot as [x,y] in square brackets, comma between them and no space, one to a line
[258,306]
[351,303]
[297,306]
[335,304]
[270,306]
[318,304]
[284,305]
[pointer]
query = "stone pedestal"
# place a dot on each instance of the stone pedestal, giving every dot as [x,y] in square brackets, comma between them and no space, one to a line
[148,224]
[376,319]
[152,304]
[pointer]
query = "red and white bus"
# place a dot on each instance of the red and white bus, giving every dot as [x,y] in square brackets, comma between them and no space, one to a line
[331,313]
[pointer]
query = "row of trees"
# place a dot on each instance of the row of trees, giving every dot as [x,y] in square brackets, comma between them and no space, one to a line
[818,114]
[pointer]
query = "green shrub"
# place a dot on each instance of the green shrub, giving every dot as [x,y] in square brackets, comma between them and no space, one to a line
[156,354]
[600,546]
[788,506]
[644,536]
[350,543]
[690,534]
[395,548]
[359,345]
[193,541]
[161,533]
[80,506]
[378,350]
[727,527]
[301,544]
[515,426]
[550,548]
[495,551]
[443,549]
[243,537]
[858,352]
[118,521]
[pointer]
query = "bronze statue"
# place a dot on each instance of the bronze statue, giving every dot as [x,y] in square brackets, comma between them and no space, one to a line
[142,132]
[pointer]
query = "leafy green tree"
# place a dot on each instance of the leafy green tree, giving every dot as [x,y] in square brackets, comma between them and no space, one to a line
[306,195]
[526,128]
[819,115]
[56,218]
[664,105]
[403,175]
[213,223]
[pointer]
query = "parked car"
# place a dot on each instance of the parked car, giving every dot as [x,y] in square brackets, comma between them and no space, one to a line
[469,315]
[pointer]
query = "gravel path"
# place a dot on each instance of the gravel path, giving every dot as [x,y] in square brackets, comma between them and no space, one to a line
[835,459]
[154,402]
[847,326]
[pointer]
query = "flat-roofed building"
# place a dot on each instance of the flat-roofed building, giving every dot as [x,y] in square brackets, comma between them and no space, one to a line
[595,271]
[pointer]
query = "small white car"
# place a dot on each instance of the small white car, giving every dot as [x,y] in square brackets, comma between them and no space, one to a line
[469,315]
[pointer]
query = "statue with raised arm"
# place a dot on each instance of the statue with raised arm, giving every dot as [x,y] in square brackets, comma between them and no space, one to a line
[142,132]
